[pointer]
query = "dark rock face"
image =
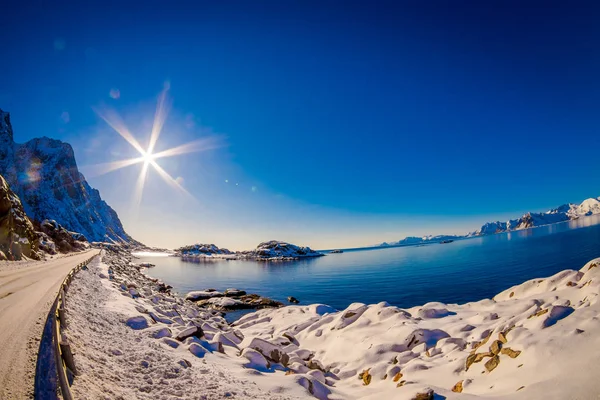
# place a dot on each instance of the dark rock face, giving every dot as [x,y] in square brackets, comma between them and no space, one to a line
[17,235]
[55,238]
[44,174]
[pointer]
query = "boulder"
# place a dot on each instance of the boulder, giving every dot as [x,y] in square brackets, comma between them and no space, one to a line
[255,360]
[197,350]
[492,363]
[191,331]
[203,295]
[137,323]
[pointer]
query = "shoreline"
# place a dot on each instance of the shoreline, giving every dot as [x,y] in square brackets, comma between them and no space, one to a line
[501,346]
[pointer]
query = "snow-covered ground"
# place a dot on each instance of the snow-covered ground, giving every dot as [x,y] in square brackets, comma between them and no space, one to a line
[537,340]
[121,352]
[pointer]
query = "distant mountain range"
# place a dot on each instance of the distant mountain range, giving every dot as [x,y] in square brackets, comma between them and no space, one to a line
[566,212]
[44,175]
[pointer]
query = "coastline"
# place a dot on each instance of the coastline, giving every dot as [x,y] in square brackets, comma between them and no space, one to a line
[364,351]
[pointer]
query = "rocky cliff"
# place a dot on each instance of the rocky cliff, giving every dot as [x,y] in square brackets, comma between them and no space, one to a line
[17,235]
[43,173]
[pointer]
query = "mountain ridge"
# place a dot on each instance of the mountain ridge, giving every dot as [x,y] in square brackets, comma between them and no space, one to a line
[563,213]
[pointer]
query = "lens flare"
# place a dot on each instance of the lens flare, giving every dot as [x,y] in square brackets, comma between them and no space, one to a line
[148,157]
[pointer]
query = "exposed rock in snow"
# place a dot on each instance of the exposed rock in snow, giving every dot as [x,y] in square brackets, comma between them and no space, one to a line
[231,299]
[44,174]
[267,251]
[202,295]
[17,235]
[200,249]
[276,250]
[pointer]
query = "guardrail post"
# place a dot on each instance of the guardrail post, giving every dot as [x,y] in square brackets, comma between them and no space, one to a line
[67,355]
[61,316]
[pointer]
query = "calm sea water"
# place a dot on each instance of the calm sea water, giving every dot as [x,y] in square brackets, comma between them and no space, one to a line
[458,272]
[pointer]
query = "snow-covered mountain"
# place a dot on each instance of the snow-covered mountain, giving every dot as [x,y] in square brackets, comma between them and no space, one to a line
[409,240]
[44,174]
[566,212]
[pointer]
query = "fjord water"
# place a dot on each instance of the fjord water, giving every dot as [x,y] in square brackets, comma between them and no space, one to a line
[458,272]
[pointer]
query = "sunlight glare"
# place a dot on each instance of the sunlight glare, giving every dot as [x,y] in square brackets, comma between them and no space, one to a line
[148,157]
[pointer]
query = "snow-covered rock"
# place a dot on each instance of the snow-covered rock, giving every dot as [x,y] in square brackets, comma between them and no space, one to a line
[276,250]
[202,295]
[200,249]
[54,238]
[44,174]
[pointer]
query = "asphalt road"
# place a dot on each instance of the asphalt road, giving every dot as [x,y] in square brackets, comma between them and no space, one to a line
[27,291]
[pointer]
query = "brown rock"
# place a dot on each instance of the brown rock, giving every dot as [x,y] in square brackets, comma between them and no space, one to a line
[571,284]
[502,337]
[537,314]
[17,236]
[477,345]
[510,352]
[366,377]
[458,388]
[481,356]
[397,377]
[496,347]
[511,294]
[401,383]
[492,363]
[428,395]
[470,360]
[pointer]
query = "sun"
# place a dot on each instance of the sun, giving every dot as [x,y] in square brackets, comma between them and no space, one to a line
[148,157]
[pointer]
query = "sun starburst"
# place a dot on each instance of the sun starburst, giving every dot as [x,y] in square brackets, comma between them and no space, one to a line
[148,157]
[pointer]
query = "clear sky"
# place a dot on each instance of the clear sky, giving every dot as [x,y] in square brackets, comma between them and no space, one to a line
[344,123]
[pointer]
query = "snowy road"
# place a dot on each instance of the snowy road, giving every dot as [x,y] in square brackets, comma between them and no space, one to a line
[27,291]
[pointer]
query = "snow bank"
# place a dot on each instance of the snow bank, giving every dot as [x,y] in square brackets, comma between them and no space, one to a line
[121,351]
[536,340]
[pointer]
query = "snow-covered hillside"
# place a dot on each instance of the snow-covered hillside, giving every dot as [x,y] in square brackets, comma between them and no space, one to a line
[44,174]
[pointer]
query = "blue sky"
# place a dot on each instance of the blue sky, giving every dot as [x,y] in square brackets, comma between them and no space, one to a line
[346,123]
